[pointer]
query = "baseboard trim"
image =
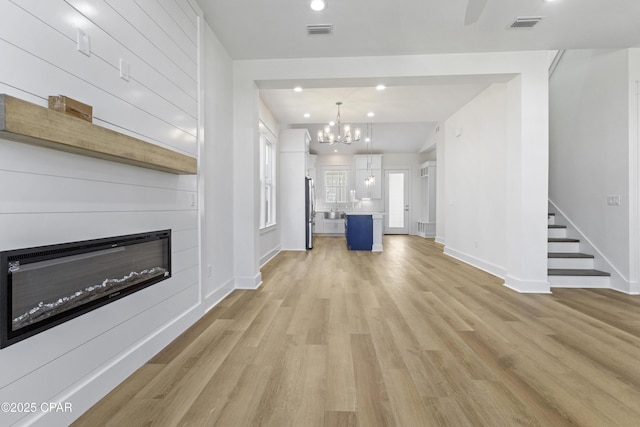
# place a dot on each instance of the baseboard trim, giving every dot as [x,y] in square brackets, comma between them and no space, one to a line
[476,262]
[264,260]
[527,286]
[249,283]
[213,298]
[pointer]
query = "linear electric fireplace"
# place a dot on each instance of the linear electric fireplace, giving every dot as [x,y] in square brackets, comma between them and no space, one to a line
[44,286]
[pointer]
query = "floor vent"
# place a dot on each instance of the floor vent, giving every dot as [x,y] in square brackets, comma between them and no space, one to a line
[315,30]
[526,22]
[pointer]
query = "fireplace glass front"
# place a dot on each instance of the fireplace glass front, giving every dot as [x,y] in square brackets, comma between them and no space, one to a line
[48,285]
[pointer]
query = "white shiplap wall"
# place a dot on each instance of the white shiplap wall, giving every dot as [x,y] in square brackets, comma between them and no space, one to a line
[52,197]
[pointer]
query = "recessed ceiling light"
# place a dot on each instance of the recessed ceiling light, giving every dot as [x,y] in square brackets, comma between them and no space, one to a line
[332,123]
[370,114]
[381,87]
[297,89]
[318,5]
[335,150]
[367,139]
[307,115]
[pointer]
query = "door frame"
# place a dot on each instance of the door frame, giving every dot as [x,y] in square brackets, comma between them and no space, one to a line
[407,194]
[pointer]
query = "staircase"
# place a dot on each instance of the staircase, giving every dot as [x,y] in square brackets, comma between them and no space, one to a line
[567,266]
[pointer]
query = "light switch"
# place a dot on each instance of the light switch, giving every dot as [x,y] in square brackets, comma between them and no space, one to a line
[124,70]
[84,42]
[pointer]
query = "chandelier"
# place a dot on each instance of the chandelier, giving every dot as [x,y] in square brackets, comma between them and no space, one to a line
[343,136]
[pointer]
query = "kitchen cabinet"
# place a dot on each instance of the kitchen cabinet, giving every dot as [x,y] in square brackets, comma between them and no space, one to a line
[334,226]
[427,222]
[294,149]
[359,232]
[368,165]
[318,228]
[311,166]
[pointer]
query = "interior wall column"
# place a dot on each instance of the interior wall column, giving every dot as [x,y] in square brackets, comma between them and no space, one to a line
[527,181]
[246,185]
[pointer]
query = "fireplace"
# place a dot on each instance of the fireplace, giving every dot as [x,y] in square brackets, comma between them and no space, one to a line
[45,286]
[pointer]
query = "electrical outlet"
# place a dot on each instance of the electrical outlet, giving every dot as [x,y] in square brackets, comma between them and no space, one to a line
[613,200]
[209,270]
[193,200]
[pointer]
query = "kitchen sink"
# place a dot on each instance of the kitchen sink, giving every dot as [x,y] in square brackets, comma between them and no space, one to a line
[334,215]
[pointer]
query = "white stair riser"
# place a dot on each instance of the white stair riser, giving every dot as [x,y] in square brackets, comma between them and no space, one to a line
[558,233]
[570,263]
[551,220]
[579,281]
[563,247]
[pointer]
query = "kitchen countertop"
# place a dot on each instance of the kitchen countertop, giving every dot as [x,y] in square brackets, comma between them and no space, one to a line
[364,213]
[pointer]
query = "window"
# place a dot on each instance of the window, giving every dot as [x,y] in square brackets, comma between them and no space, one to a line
[267,177]
[335,186]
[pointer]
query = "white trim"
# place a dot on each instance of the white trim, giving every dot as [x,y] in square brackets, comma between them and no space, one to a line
[527,286]
[475,262]
[264,260]
[250,283]
[213,298]
[268,228]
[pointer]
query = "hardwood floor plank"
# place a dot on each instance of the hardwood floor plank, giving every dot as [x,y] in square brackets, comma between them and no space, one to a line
[406,337]
[121,395]
[340,419]
[407,404]
[340,376]
[373,406]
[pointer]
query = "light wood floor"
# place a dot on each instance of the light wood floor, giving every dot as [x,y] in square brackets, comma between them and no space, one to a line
[407,337]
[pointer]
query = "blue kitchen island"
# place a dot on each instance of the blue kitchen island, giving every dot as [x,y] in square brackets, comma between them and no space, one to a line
[363,231]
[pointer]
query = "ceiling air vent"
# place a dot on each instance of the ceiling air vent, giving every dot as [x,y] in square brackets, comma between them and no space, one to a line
[315,30]
[526,22]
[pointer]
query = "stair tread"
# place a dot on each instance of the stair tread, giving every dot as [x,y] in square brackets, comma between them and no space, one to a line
[551,214]
[568,255]
[575,272]
[556,226]
[562,240]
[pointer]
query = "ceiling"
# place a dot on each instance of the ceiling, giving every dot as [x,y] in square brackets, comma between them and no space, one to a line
[408,110]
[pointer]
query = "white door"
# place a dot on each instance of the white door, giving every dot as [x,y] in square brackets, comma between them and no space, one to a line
[396,201]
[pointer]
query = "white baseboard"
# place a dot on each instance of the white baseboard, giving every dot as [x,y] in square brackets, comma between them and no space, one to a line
[214,298]
[269,256]
[476,262]
[248,282]
[527,286]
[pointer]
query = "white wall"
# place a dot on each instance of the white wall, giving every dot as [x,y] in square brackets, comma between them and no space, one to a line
[217,168]
[590,97]
[58,197]
[475,200]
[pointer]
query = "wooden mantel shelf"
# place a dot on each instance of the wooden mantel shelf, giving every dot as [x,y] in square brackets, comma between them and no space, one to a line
[30,123]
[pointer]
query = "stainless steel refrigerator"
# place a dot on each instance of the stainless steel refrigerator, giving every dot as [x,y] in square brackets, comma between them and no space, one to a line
[309,212]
